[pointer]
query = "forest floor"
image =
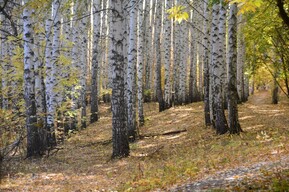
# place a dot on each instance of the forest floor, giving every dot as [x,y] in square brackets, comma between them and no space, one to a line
[176,152]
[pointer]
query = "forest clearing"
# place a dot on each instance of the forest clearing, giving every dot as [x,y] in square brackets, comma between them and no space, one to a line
[161,162]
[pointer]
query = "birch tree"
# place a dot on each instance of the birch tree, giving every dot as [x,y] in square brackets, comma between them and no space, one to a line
[240,59]
[140,60]
[34,145]
[206,65]
[132,59]
[159,93]
[167,56]
[234,125]
[220,122]
[222,51]
[52,94]
[95,64]
[119,131]
[84,62]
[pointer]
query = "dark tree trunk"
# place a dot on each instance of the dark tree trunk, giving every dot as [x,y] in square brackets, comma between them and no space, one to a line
[159,92]
[234,125]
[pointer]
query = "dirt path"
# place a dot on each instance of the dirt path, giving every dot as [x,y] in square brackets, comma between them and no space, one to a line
[240,178]
[260,98]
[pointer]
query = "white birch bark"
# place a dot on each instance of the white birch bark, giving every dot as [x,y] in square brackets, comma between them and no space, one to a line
[75,66]
[148,44]
[240,59]
[150,51]
[95,65]
[222,51]
[220,123]
[140,61]
[39,77]
[132,59]
[176,68]
[34,147]
[119,131]
[194,45]
[167,56]
[83,60]
[52,94]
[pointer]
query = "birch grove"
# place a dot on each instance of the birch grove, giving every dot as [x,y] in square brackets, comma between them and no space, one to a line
[84,55]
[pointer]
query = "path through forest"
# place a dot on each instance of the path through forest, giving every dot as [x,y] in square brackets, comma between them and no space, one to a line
[250,177]
[175,148]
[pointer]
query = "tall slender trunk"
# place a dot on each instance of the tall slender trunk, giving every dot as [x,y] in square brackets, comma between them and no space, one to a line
[222,52]
[83,59]
[167,58]
[150,54]
[76,67]
[94,68]
[206,65]
[193,88]
[40,84]
[159,93]
[176,70]
[240,59]
[140,62]
[52,96]
[34,145]
[132,61]
[234,125]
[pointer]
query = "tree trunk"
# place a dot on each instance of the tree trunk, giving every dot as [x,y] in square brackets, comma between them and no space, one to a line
[220,123]
[119,131]
[206,66]
[140,61]
[132,61]
[275,87]
[222,52]
[34,145]
[83,60]
[234,125]
[76,68]
[52,96]
[94,68]
[159,93]
[167,59]
[240,59]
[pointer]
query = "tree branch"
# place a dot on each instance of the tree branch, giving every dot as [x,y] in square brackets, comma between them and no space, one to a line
[282,12]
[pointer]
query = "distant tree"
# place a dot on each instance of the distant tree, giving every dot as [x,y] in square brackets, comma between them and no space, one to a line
[95,65]
[206,65]
[167,56]
[140,60]
[158,25]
